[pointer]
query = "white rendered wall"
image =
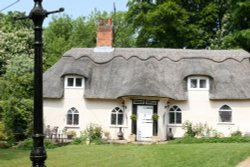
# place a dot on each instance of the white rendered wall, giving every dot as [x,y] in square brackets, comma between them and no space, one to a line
[90,111]
[199,109]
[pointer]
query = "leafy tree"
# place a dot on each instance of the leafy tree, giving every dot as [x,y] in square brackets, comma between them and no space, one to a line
[124,36]
[63,33]
[240,21]
[16,37]
[219,24]
[16,77]
[81,32]
[16,92]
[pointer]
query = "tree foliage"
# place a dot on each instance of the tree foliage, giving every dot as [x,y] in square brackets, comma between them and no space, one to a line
[64,33]
[190,23]
[16,76]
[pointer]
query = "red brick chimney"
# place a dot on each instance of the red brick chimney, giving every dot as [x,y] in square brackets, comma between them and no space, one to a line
[104,34]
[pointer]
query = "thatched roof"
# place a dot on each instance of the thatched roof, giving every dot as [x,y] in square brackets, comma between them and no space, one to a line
[151,72]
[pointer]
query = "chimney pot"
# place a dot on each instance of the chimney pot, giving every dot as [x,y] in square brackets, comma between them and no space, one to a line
[101,22]
[104,34]
[109,21]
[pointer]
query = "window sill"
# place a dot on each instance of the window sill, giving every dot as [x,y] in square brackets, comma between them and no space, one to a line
[72,126]
[118,126]
[174,125]
[225,123]
[73,87]
[198,89]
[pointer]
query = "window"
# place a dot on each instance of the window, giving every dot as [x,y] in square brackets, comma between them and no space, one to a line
[225,114]
[198,83]
[117,116]
[73,82]
[72,116]
[175,115]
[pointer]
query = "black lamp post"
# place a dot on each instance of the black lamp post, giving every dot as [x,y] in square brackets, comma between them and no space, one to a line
[38,154]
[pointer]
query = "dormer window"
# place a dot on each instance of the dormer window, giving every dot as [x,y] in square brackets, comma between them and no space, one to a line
[73,82]
[198,83]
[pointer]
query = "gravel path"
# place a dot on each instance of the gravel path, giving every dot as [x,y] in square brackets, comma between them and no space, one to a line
[245,163]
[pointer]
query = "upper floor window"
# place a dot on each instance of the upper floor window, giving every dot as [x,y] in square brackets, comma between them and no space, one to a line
[198,83]
[175,116]
[72,116]
[225,114]
[73,82]
[117,116]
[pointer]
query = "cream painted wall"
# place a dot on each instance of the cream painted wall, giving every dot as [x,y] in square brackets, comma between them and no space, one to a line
[90,111]
[197,109]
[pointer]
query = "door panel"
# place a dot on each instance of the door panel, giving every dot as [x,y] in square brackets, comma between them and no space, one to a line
[144,123]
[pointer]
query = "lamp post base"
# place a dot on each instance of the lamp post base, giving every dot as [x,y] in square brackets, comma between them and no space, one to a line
[38,157]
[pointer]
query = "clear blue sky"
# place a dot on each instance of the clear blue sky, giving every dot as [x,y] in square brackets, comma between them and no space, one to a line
[73,8]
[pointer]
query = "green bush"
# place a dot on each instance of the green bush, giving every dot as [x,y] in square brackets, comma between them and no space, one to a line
[191,140]
[93,133]
[236,133]
[188,127]
[199,130]
[4,144]
[49,144]
[99,141]
[27,144]
[3,135]
[79,140]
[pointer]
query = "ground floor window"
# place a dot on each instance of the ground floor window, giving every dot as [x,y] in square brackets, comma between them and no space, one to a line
[117,116]
[225,114]
[175,116]
[73,116]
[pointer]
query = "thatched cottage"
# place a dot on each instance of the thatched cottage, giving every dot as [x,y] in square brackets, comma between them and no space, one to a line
[106,85]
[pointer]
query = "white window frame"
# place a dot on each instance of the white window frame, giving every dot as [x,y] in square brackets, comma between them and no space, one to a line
[74,112]
[175,115]
[225,110]
[116,112]
[198,78]
[74,81]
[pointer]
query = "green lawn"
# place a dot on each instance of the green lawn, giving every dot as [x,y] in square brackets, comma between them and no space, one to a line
[172,155]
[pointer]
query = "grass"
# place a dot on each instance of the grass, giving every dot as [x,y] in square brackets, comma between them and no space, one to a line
[177,155]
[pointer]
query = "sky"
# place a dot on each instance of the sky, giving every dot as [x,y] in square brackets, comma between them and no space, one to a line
[73,8]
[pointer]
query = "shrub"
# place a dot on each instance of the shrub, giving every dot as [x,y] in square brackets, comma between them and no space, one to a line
[79,140]
[27,144]
[93,132]
[191,140]
[188,127]
[236,133]
[4,144]
[3,135]
[199,130]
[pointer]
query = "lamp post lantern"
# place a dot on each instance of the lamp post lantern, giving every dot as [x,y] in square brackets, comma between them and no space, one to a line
[37,15]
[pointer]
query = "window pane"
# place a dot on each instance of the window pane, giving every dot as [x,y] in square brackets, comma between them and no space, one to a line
[70,82]
[76,119]
[69,119]
[203,83]
[171,118]
[78,82]
[178,118]
[225,107]
[120,119]
[225,116]
[193,83]
[113,119]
